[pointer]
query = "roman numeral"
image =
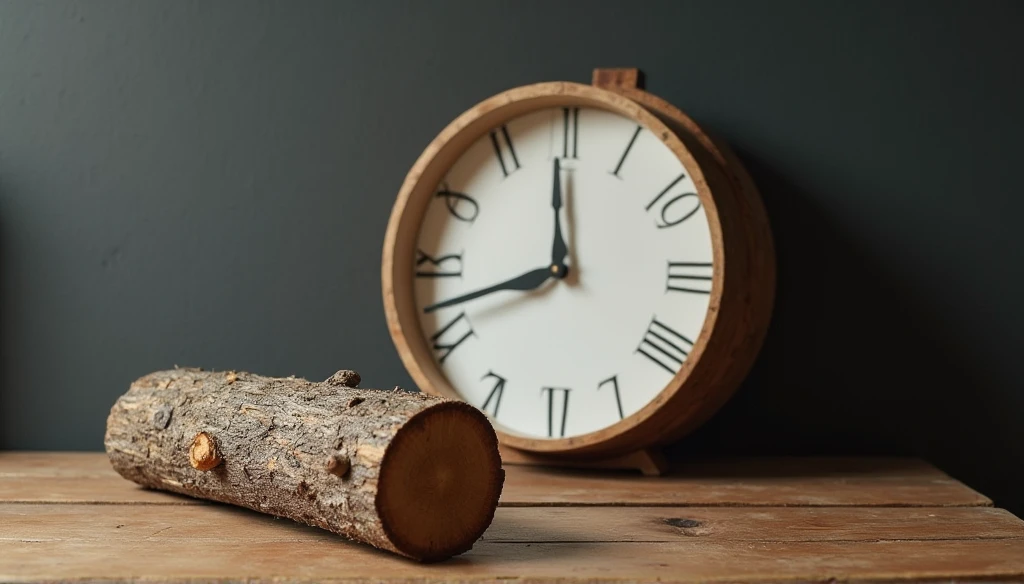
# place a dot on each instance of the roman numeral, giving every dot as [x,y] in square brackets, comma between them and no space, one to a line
[689,204]
[505,159]
[614,381]
[692,277]
[495,395]
[461,206]
[570,131]
[629,147]
[552,406]
[453,260]
[664,346]
[460,330]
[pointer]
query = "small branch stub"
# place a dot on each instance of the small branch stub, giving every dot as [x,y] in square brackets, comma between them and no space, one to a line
[203,454]
[345,378]
[338,465]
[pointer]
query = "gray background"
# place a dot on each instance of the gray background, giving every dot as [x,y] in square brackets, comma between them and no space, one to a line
[208,183]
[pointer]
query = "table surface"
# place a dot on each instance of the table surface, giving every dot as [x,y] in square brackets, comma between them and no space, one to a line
[67,516]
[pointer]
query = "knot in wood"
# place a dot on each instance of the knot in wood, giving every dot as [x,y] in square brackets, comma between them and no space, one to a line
[203,454]
[344,378]
[338,465]
[162,417]
[682,523]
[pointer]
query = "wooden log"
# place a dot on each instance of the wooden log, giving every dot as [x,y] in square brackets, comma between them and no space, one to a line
[406,472]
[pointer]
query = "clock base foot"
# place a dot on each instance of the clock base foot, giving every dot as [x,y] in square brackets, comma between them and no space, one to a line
[650,462]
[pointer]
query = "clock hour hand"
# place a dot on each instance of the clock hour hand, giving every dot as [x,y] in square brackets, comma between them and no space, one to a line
[529,281]
[559,250]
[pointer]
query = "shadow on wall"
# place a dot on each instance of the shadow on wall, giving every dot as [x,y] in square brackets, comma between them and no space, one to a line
[854,364]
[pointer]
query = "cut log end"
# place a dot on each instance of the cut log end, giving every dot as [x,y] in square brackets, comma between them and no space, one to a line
[440,480]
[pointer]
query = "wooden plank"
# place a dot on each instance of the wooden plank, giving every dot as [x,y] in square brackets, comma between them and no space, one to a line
[87,477]
[58,522]
[72,477]
[754,524]
[89,489]
[757,482]
[49,464]
[164,558]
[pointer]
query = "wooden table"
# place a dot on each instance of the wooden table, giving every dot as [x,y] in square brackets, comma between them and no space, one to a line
[69,516]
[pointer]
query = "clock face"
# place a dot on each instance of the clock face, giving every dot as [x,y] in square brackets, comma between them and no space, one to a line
[563,271]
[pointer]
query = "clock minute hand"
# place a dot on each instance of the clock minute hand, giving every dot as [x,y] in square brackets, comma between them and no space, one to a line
[559,250]
[529,281]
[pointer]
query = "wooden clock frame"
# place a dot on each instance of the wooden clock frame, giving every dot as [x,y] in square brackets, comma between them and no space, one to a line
[742,287]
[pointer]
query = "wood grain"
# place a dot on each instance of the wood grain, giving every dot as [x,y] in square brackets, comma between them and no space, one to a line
[530,524]
[88,478]
[761,482]
[82,542]
[52,464]
[103,489]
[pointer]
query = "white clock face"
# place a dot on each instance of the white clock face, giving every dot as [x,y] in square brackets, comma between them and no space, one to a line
[554,341]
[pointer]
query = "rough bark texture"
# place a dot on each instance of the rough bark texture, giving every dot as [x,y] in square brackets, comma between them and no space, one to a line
[316,453]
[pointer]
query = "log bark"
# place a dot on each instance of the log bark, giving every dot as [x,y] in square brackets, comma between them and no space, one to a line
[406,472]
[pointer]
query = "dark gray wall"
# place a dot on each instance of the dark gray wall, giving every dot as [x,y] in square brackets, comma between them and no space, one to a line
[207,183]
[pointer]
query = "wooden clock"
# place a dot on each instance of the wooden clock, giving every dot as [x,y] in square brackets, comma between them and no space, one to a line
[585,265]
